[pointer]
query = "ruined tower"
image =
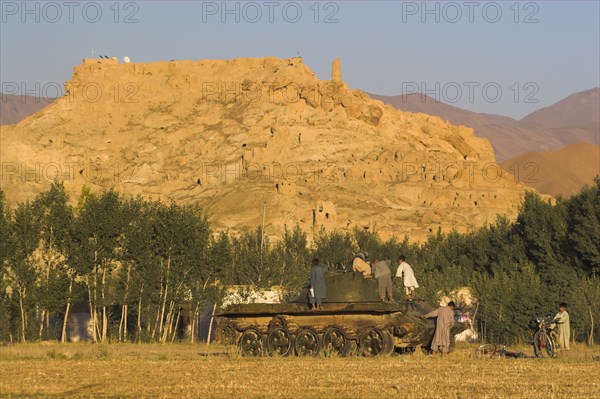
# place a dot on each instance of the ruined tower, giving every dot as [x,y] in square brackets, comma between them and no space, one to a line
[336,71]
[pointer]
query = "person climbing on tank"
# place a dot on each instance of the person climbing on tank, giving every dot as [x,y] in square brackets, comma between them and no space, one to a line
[382,273]
[359,264]
[317,284]
[409,281]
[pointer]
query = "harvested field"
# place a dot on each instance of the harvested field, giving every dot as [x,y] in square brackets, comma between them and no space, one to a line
[185,371]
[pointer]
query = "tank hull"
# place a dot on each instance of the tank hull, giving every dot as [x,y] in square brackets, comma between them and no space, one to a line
[350,321]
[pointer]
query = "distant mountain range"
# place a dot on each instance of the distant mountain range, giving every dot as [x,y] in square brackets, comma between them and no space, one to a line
[571,120]
[14,108]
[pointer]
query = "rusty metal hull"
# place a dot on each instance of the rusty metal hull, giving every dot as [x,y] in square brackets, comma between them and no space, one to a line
[351,320]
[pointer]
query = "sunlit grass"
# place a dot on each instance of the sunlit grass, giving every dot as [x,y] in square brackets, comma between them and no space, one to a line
[184,371]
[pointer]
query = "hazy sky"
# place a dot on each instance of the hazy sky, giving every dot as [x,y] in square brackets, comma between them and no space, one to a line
[507,58]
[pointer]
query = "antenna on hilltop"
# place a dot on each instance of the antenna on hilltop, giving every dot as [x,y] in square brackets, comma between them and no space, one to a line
[93,52]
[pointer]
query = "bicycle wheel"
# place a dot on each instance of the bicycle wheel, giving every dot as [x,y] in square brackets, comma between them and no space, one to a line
[543,346]
[486,351]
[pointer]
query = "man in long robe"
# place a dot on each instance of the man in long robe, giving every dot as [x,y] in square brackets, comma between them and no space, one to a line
[317,284]
[409,281]
[445,321]
[563,327]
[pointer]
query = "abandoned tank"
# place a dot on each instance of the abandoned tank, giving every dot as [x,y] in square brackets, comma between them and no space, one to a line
[352,320]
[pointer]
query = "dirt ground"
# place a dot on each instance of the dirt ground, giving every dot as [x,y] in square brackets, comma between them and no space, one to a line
[51,370]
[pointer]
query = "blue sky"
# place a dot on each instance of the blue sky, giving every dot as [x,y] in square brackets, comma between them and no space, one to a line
[507,58]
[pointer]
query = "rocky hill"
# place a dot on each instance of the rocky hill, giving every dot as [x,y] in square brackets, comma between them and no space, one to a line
[238,134]
[561,172]
[572,120]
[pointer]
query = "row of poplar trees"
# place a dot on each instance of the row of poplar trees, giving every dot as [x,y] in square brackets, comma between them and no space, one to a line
[140,267]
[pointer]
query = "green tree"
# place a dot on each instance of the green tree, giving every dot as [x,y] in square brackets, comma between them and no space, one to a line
[334,248]
[96,251]
[180,240]
[542,228]
[508,300]
[292,255]
[250,259]
[55,276]
[583,228]
[7,248]
[20,269]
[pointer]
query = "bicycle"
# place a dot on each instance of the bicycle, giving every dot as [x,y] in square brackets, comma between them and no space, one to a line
[489,351]
[544,338]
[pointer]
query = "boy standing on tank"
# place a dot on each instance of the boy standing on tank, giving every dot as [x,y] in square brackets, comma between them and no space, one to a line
[317,284]
[409,281]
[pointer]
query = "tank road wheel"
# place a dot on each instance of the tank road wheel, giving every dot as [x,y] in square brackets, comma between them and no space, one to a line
[227,334]
[279,342]
[251,343]
[389,341]
[335,341]
[307,342]
[372,342]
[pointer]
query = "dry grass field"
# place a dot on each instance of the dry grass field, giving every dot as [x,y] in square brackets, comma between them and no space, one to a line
[50,370]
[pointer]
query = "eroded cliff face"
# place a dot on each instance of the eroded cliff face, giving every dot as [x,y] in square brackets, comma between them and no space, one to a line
[236,134]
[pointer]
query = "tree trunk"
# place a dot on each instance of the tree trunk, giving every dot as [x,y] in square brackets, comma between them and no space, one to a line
[139,321]
[47,323]
[176,325]
[63,337]
[104,318]
[104,324]
[148,318]
[591,336]
[92,320]
[95,301]
[169,321]
[139,318]
[125,324]
[125,299]
[23,323]
[121,323]
[42,319]
[192,327]
[161,326]
[98,331]
[160,296]
[194,324]
[212,317]
[157,317]
[197,331]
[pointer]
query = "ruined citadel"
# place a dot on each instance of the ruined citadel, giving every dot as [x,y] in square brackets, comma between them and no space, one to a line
[234,135]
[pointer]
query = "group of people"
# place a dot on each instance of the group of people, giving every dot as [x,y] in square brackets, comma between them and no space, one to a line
[445,322]
[380,269]
[444,315]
